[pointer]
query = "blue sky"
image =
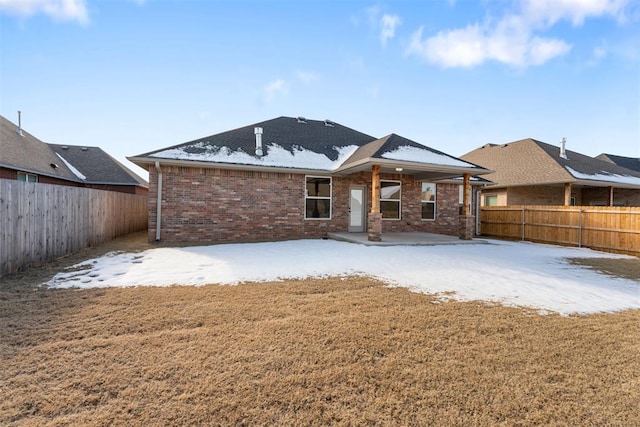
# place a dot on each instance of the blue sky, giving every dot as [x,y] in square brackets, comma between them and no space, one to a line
[133,76]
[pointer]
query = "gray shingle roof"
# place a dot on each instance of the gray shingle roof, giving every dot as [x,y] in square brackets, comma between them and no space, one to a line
[287,132]
[29,154]
[532,162]
[632,163]
[97,166]
[307,145]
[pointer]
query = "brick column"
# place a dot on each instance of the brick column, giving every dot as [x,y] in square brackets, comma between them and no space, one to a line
[466,226]
[374,227]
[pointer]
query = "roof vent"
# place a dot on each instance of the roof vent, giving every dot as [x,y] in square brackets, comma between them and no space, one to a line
[65,147]
[302,119]
[85,149]
[258,132]
[19,131]
[328,123]
[53,165]
[563,151]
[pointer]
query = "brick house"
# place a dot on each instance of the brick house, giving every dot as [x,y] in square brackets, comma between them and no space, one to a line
[289,178]
[24,157]
[531,172]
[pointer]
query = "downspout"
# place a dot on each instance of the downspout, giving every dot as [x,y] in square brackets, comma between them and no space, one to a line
[159,201]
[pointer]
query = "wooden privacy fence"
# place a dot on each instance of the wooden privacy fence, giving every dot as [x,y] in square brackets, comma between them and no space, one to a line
[40,222]
[612,229]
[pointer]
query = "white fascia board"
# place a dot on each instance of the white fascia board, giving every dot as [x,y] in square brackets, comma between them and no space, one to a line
[140,161]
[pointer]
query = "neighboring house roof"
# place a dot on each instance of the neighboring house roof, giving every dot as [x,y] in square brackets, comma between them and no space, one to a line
[632,163]
[95,166]
[87,165]
[309,145]
[532,162]
[27,153]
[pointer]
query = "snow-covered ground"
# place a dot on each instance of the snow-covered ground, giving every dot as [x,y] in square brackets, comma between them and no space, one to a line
[510,273]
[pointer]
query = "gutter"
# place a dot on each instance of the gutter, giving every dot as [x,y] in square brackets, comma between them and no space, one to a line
[158,202]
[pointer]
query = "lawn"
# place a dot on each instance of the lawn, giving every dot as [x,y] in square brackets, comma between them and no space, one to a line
[317,351]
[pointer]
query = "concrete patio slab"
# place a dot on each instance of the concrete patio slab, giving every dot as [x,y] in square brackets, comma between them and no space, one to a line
[406,239]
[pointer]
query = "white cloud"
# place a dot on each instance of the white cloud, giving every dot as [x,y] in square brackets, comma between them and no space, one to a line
[516,39]
[385,23]
[306,76]
[388,24]
[274,88]
[59,10]
[549,12]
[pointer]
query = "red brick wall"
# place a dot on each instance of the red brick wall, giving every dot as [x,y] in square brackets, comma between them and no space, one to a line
[216,205]
[13,174]
[6,173]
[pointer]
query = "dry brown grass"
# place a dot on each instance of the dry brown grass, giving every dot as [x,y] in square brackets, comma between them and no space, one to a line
[316,352]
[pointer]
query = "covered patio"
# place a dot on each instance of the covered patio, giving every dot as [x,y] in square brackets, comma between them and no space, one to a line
[404,239]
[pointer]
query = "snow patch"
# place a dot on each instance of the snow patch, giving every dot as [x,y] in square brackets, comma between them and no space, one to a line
[420,155]
[75,171]
[604,176]
[276,156]
[511,273]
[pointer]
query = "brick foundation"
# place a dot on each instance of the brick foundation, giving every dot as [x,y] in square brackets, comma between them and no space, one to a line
[467,226]
[374,227]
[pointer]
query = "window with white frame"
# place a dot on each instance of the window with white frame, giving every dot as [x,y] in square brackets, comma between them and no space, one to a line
[390,192]
[428,201]
[27,177]
[317,197]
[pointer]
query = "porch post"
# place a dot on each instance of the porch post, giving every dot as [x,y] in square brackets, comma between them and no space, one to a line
[374,221]
[467,220]
[610,196]
[567,194]
[466,194]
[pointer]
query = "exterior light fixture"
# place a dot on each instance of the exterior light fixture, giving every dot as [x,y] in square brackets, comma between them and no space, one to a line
[399,169]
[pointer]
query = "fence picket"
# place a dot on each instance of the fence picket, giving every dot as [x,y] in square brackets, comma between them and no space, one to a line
[40,222]
[612,229]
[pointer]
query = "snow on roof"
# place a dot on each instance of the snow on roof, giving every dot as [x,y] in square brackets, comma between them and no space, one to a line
[604,176]
[275,156]
[75,171]
[511,273]
[420,155]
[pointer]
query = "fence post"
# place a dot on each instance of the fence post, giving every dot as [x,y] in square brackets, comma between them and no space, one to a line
[580,228]
[523,208]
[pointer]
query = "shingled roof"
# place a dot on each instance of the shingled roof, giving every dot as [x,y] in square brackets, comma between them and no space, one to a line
[88,165]
[26,153]
[309,145]
[632,163]
[97,166]
[532,162]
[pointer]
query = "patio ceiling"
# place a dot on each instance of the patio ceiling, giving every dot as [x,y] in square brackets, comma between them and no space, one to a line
[420,171]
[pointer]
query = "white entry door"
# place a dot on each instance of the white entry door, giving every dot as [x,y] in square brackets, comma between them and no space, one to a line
[356,209]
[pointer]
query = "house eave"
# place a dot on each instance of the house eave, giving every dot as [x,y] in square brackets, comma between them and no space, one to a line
[575,183]
[409,168]
[595,183]
[40,173]
[147,161]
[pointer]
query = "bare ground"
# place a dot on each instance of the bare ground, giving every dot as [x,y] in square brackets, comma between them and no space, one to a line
[340,351]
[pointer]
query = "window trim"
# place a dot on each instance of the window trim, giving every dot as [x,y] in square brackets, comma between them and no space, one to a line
[486,196]
[434,201]
[26,176]
[330,198]
[399,199]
